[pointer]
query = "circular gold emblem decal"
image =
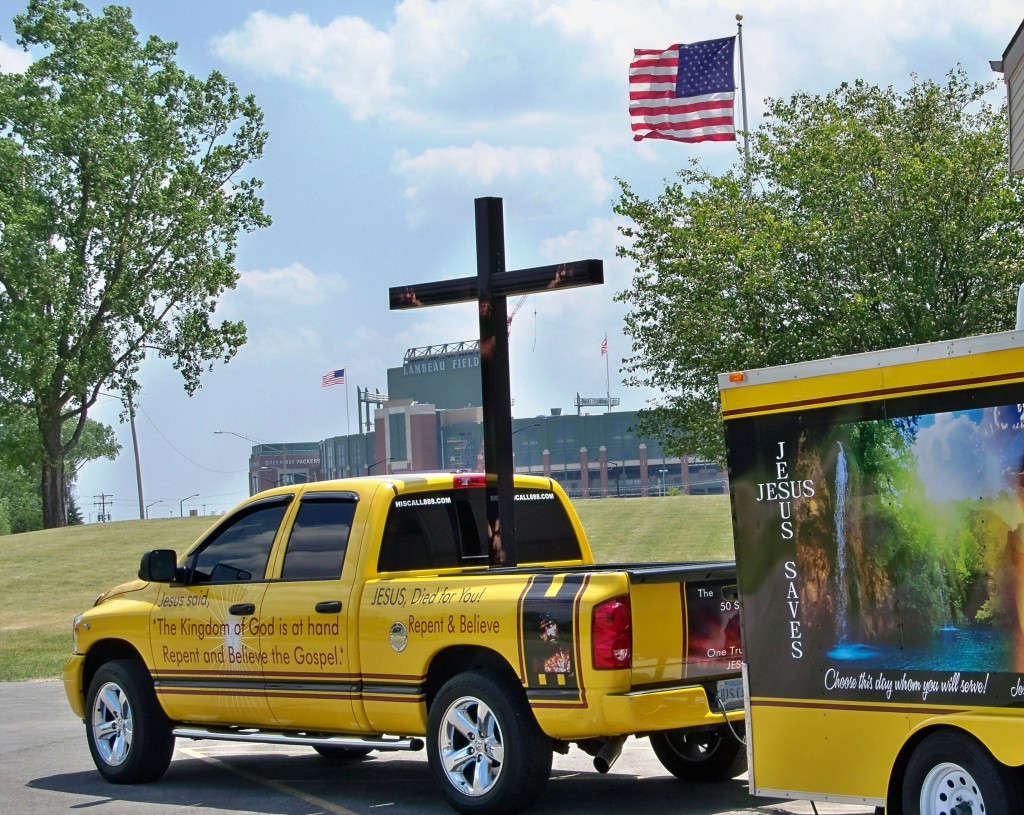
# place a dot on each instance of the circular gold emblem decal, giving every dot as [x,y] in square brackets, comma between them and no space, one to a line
[399,636]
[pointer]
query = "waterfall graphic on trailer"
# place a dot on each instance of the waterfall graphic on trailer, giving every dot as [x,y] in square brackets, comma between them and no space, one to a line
[842,482]
[844,649]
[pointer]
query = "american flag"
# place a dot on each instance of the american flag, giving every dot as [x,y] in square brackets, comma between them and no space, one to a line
[334,378]
[684,93]
[604,346]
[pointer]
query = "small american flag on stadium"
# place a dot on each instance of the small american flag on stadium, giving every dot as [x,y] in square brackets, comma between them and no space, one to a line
[684,93]
[604,346]
[334,378]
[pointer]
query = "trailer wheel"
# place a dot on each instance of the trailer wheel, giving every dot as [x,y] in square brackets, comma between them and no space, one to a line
[130,737]
[484,747]
[950,772]
[701,755]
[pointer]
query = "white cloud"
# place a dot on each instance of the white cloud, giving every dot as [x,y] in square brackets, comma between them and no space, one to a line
[374,72]
[350,58]
[453,66]
[293,284]
[13,60]
[599,237]
[484,164]
[279,344]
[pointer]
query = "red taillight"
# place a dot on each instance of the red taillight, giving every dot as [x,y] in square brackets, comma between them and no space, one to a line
[469,481]
[612,634]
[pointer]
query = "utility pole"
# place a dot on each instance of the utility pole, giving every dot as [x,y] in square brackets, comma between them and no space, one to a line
[102,504]
[135,447]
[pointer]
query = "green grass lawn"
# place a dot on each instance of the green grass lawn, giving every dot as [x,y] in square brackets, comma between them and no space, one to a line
[50,576]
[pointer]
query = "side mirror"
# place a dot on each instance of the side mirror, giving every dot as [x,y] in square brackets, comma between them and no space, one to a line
[159,566]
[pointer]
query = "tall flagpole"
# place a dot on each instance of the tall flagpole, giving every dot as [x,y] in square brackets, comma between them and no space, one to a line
[743,100]
[348,418]
[607,376]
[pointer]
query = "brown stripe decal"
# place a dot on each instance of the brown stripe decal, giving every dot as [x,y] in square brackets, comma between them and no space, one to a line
[519,628]
[549,647]
[931,711]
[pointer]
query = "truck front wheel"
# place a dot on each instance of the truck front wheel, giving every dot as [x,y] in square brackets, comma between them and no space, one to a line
[130,738]
[950,772]
[484,746]
[701,755]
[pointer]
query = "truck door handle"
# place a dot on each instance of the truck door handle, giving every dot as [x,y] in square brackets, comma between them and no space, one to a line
[242,609]
[329,607]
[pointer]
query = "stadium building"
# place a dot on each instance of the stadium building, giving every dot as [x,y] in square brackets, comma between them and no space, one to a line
[431,419]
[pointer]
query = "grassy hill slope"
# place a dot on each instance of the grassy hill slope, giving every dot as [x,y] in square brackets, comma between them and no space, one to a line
[50,576]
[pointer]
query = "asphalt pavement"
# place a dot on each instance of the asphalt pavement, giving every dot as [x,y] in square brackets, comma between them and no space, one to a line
[45,768]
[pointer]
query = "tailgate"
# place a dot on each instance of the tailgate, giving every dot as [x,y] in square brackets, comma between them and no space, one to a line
[686,625]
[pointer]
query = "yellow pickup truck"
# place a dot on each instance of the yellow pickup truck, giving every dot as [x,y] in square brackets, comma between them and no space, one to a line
[361,614]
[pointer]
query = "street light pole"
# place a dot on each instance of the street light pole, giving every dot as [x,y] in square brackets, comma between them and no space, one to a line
[369,467]
[152,505]
[529,450]
[181,504]
[618,472]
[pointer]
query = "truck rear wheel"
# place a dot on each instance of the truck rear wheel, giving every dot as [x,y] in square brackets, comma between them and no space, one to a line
[484,747]
[129,735]
[950,772]
[701,755]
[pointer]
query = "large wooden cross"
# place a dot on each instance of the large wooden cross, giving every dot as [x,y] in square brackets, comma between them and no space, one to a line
[490,288]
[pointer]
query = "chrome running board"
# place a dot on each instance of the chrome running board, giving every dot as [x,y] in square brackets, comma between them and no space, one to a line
[304,739]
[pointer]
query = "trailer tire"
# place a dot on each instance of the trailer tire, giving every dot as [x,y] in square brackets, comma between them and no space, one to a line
[484,747]
[130,736]
[702,755]
[949,769]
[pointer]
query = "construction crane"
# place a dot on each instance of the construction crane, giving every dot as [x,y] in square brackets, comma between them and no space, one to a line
[515,308]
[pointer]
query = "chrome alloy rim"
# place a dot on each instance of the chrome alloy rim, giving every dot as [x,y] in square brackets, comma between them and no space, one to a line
[112,724]
[948,789]
[472,751]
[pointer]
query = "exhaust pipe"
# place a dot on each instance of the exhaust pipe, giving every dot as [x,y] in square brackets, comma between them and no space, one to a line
[608,754]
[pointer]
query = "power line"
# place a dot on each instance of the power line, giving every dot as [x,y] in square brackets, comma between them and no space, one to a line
[176,450]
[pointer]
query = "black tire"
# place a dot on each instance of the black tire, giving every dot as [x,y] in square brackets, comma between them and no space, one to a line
[484,747]
[129,735]
[949,770]
[702,755]
[340,754]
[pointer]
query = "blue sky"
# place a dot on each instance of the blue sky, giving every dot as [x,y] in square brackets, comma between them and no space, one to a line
[386,120]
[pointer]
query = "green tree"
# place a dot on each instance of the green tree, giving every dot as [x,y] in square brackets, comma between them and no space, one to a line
[21,458]
[865,219]
[121,201]
[21,510]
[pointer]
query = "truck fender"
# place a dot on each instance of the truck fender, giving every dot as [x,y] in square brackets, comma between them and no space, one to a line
[100,654]
[458,659]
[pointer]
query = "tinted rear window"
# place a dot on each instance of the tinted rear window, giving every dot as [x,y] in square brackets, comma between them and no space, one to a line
[448,528]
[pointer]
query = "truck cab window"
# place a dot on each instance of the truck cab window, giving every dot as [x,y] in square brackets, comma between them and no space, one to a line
[543,529]
[239,551]
[319,537]
[420,534]
[438,530]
